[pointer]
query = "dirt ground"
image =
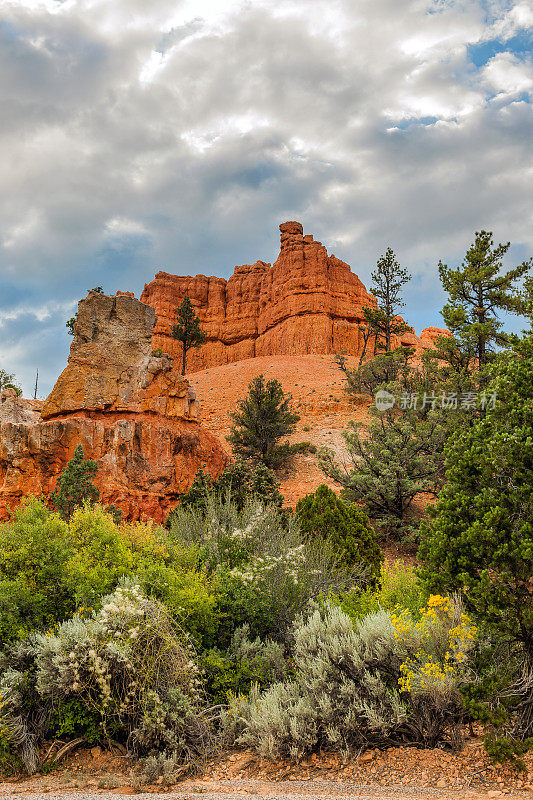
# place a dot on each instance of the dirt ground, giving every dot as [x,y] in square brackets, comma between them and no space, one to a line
[393,772]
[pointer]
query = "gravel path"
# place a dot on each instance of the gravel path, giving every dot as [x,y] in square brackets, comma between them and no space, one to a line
[258,790]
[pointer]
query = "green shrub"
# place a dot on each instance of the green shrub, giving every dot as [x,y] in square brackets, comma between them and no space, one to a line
[100,557]
[7,382]
[262,570]
[382,680]
[398,585]
[345,528]
[338,699]
[35,549]
[163,768]
[390,461]
[49,567]
[507,749]
[479,540]
[244,664]
[72,719]
[239,481]
[74,486]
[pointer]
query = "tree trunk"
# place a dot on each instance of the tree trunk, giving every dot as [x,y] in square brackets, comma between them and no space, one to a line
[387,337]
[184,361]
[481,319]
[366,337]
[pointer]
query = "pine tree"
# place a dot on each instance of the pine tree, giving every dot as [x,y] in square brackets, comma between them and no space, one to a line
[383,321]
[264,417]
[480,538]
[239,481]
[344,527]
[187,330]
[477,291]
[74,485]
[395,458]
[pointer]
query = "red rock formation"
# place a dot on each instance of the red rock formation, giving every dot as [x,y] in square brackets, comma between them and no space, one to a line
[306,302]
[130,411]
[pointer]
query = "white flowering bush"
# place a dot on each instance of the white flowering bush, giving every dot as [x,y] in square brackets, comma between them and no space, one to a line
[260,564]
[127,665]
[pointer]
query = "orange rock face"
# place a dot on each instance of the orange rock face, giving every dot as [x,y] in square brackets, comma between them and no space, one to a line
[121,398]
[306,302]
[131,412]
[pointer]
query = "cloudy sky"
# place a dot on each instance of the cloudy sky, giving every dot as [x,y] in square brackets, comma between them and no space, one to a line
[137,135]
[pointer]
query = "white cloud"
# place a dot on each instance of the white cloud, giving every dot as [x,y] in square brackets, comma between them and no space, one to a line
[40,313]
[122,226]
[506,74]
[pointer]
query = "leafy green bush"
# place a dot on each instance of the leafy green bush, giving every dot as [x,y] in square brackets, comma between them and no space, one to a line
[35,549]
[74,485]
[49,568]
[239,481]
[345,528]
[71,718]
[244,664]
[163,767]
[263,572]
[506,749]
[398,585]
[100,556]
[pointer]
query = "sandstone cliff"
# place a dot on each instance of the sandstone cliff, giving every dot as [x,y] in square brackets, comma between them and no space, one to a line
[306,302]
[130,411]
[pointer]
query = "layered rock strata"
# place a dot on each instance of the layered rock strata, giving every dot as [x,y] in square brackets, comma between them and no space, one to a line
[306,302]
[130,410]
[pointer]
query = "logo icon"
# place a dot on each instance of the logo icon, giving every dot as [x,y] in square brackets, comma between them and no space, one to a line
[384,400]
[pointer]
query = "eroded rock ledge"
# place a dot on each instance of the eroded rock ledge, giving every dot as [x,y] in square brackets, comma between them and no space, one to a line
[130,410]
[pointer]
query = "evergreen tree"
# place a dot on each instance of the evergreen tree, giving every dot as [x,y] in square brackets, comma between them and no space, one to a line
[480,538]
[7,381]
[264,418]
[383,322]
[239,481]
[477,291]
[344,527]
[74,485]
[383,369]
[395,458]
[187,330]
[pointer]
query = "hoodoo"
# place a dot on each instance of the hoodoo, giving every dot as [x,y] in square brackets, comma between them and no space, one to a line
[124,401]
[306,302]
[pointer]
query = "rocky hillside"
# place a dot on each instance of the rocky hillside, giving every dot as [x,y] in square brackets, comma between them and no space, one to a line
[131,410]
[317,387]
